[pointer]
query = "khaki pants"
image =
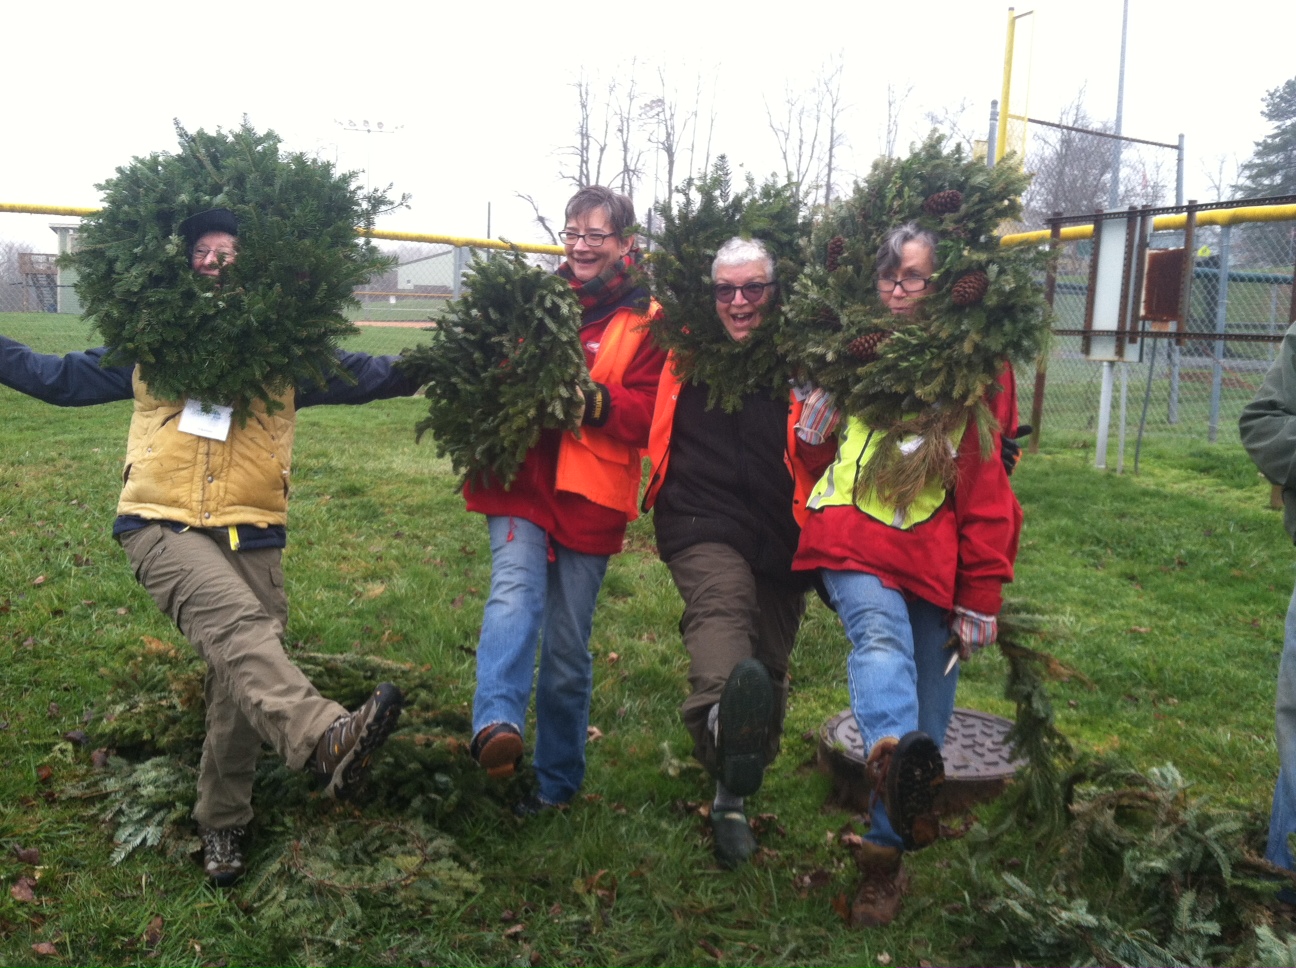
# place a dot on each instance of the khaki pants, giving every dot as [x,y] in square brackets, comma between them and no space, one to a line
[231,607]
[731,614]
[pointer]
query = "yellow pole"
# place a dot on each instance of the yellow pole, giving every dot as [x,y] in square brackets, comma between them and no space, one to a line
[1001,139]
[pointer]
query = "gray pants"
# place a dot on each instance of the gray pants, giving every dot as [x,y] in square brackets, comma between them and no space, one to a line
[731,614]
[231,607]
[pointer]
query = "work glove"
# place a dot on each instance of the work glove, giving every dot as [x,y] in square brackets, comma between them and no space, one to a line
[1010,450]
[974,630]
[819,417]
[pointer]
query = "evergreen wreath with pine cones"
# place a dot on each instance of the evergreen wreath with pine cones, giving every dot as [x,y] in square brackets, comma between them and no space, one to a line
[274,319]
[925,374]
[503,363]
[710,212]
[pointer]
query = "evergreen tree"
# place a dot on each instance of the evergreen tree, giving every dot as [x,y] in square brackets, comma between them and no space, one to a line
[1272,168]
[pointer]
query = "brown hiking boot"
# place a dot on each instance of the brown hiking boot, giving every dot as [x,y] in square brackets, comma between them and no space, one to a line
[345,751]
[883,883]
[498,749]
[906,774]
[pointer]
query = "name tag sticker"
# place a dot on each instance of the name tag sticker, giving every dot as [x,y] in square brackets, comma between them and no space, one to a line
[212,422]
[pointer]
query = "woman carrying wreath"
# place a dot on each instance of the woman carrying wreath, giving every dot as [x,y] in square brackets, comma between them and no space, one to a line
[553,528]
[910,325]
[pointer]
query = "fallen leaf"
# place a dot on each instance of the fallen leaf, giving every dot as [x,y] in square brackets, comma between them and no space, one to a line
[711,949]
[1141,629]
[613,658]
[27,855]
[153,933]
[514,931]
[77,736]
[154,646]
[53,710]
[99,759]
[458,602]
[28,642]
[44,948]
[506,916]
[80,561]
[884,958]
[556,909]
[38,580]
[123,611]
[22,890]
[374,590]
[43,773]
[840,905]
[593,733]
[810,881]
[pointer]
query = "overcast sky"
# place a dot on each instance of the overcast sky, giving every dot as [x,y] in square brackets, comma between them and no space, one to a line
[481,99]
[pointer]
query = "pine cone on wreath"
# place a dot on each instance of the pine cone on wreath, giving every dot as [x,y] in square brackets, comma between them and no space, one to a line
[970,288]
[835,249]
[865,348]
[943,203]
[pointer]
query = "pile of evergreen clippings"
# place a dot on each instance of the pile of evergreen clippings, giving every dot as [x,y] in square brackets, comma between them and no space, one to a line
[925,374]
[274,319]
[318,867]
[710,211]
[1121,867]
[502,364]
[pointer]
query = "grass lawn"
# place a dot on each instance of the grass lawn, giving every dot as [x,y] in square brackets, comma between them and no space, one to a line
[1165,591]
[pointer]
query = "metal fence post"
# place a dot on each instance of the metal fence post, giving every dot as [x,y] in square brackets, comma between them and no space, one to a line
[1221,325]
[994,132]
[456,284]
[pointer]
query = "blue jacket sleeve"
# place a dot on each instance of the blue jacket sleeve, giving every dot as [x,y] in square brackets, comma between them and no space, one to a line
[74,380]
[376,378]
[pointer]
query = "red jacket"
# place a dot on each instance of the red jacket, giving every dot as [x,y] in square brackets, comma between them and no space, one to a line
[962,555]
[572,518]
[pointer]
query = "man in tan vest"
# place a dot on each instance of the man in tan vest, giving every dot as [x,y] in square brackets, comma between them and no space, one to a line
[202,518]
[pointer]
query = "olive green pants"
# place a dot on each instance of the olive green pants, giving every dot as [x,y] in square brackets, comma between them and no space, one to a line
[231,607]
[731,614]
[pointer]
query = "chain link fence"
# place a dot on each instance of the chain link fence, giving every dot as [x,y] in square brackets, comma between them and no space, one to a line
[1189,384]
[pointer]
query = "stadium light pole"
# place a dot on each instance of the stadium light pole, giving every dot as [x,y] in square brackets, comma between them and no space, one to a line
[365,127]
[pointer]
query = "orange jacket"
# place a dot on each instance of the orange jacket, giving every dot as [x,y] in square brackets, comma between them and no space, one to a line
[663,422]
[596,465]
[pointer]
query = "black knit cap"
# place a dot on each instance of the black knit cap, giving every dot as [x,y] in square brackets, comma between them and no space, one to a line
[213,220]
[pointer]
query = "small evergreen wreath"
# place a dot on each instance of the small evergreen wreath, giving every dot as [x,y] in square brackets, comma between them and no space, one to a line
[925,374]
[708,214]
[274,319]
[502,364]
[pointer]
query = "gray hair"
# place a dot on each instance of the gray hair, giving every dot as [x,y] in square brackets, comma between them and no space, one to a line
[891,252]
[739,251]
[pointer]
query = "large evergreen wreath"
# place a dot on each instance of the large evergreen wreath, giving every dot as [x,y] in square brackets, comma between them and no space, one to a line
[274,319]
[709,213]
[502,364]
[925,374]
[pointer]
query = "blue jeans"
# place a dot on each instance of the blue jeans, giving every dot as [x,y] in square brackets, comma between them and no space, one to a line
[1282,821]
[535,601]
[896,669]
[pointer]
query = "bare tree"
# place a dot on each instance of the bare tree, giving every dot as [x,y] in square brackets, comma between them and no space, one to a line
[539,217]
[593,133]
[1072,164]
[953,122]
[1220,180]
[830,88]
[895,104]
[796,131]
[668,125]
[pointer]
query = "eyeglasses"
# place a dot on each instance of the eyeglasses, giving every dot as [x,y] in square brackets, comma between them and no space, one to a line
[752,291]
[910,285]
[592,239]
[202,253]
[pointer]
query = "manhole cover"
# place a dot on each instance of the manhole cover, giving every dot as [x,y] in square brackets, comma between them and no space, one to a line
[978,760]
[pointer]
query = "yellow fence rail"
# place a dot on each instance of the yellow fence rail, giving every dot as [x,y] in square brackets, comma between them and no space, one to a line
[462,241]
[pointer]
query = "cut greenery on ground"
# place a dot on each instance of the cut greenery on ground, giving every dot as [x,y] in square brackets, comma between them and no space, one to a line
[1164,593]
